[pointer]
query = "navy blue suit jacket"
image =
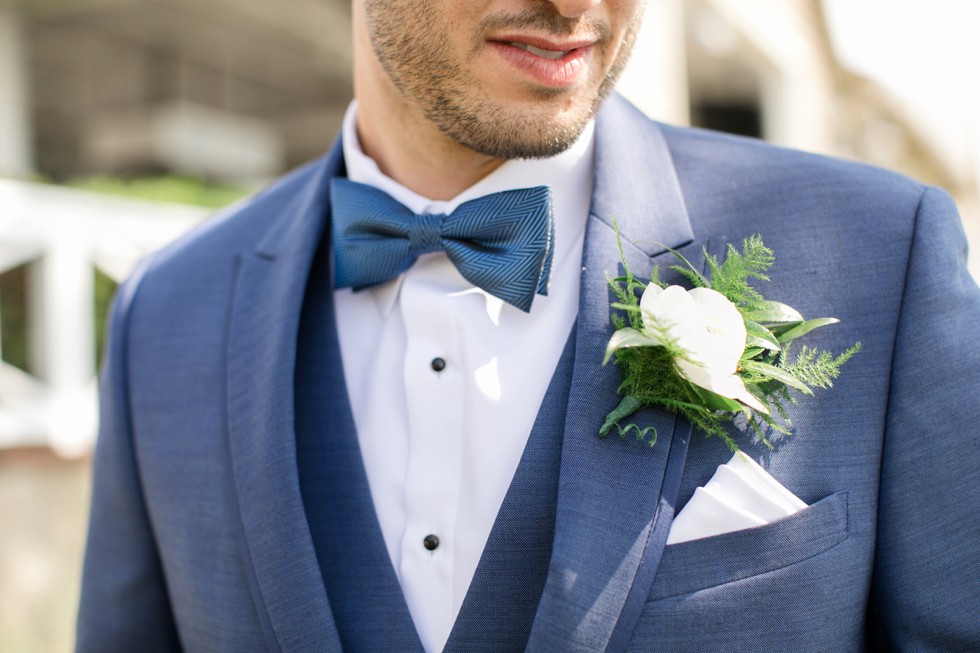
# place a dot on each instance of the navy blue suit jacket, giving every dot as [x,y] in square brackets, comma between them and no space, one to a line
[198,536]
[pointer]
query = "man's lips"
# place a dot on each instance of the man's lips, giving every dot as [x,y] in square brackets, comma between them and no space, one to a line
[547,54]
[554,63]
[544,47]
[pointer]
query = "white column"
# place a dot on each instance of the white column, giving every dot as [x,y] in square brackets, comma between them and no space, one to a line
[656,78]
[62,326]
[16,158]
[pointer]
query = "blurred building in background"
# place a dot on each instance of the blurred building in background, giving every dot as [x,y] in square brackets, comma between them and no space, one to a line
[238,91]
[245,89]
[224,89]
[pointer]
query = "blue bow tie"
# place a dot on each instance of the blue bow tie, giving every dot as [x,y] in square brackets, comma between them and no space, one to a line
[502,243]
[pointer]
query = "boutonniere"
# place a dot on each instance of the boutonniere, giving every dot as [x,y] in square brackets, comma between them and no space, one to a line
[716,351]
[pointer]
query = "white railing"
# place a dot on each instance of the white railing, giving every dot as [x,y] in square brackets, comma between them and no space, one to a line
[64,235]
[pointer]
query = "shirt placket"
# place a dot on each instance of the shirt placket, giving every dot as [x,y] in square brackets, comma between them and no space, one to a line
[434,387]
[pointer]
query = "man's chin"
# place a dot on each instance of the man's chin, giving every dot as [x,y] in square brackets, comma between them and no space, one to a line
[520,133]
[527,142]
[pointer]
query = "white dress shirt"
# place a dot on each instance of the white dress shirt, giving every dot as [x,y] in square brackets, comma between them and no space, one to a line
[440,447]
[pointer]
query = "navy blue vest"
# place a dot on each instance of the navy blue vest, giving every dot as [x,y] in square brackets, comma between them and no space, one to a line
[367,601]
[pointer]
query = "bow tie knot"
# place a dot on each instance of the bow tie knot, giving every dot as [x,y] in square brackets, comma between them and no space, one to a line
[425,233]
[502,242]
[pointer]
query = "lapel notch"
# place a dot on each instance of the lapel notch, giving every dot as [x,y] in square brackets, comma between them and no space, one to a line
[635,181]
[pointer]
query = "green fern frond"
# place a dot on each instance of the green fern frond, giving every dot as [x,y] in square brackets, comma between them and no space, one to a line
[731,278]
[696,279]
[818,368]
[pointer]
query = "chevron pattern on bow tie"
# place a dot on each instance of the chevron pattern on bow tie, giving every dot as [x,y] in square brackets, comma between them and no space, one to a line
[502,243]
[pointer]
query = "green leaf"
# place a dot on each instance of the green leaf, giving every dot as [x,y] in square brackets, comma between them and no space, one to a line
[775,312]
[625,307]
[717,402]
[779,329]
[760,336]
[757,342]
[760,396]
[752,352]
[694,270]
[627,337]
[626,407]
[806,327]
[776,374]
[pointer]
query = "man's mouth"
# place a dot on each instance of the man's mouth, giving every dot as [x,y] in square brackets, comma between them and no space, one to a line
[547,54]
[556,63]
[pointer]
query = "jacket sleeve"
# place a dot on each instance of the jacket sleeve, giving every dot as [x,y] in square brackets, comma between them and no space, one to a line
[124,604]
[925,589]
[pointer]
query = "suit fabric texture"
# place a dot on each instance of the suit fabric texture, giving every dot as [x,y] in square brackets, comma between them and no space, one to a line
[209,530]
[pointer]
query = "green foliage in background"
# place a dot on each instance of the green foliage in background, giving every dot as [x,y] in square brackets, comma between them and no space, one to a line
[185,190]
[105,290]
[13,317]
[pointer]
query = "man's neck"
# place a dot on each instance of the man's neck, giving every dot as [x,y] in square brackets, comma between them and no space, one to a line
[408,148]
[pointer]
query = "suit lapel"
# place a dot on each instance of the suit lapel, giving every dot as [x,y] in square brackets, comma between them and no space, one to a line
[283,572]
[615,497]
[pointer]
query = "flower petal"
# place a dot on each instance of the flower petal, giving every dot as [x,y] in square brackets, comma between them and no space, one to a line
[725,328]
[720,383]
[669,309]
[667,301]
[723,316]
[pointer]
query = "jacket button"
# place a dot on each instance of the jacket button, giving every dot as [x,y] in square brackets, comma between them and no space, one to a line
[438,364]
[431,542]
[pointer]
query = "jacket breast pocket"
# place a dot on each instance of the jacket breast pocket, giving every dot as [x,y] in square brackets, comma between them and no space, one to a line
[700,564]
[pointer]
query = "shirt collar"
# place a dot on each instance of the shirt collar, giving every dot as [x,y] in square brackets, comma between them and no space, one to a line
[568,174]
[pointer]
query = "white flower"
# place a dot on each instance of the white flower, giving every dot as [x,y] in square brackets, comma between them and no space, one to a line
[705,325]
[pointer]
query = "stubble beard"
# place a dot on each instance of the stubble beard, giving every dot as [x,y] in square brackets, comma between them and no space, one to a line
[426,74]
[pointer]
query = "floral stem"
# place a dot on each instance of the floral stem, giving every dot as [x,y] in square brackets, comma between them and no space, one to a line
[626,407]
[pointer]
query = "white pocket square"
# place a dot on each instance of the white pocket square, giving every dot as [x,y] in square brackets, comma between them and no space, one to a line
[740,495]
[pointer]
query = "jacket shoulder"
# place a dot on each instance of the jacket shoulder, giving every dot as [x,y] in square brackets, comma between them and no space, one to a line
[723,175]
[743,159]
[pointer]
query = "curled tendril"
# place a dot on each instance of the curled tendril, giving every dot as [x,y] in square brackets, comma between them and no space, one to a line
[641,434]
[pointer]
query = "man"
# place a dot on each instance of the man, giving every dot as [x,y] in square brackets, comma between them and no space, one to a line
[286,463]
